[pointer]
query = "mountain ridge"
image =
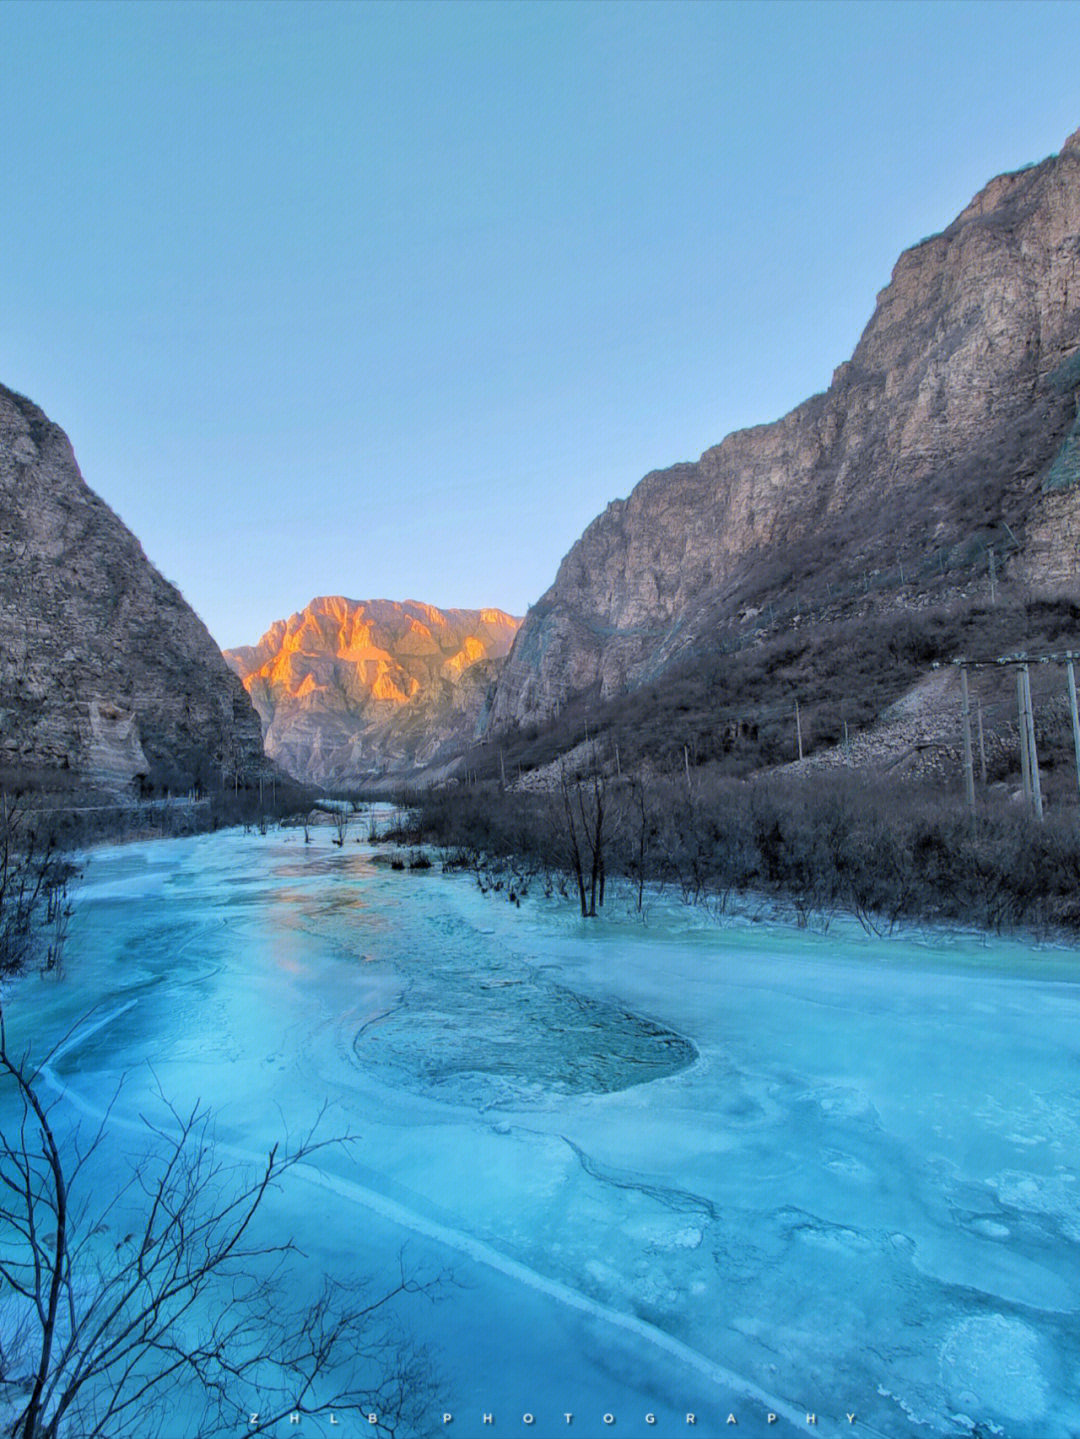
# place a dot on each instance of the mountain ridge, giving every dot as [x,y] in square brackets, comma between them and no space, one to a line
[350,689]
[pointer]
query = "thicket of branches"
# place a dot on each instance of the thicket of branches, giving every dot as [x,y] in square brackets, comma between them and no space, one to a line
[107,1337]
[34,878]
[830,844]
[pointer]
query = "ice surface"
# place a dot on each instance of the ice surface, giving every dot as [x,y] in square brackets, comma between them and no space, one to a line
[488,1029]
[674,1167]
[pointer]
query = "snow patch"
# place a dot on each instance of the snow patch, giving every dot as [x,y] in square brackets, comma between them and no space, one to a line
[990,1365]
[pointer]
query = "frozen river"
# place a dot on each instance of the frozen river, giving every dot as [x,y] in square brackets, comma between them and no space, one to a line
[674,1168]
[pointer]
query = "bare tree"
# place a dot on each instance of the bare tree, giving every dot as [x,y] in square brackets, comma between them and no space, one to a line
[102,1339]
[341,822]
[641,827]
[583,805]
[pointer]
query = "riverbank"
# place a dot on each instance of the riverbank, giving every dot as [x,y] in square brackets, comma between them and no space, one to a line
[885,853]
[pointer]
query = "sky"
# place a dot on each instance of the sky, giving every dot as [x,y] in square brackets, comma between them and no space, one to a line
[390,300]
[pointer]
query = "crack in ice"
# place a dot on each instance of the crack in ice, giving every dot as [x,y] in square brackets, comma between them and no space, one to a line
[682,1200]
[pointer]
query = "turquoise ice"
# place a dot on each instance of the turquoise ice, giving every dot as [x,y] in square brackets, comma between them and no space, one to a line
[674,1167]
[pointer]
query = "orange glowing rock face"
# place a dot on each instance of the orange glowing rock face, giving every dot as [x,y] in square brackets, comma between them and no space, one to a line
[351,688]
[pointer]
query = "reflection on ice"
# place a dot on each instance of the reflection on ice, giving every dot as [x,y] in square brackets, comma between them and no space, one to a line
[683,1168]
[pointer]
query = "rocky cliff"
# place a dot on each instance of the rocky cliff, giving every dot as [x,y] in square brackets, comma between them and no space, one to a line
[108,679]
[953,430]
[349,689]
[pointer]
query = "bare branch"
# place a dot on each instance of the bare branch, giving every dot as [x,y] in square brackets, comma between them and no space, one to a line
[191,1300]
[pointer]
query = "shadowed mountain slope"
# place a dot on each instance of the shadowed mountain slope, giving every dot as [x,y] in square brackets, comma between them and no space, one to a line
[953,431]
[108,680]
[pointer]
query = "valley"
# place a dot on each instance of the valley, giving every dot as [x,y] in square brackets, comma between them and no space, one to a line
[696,1023]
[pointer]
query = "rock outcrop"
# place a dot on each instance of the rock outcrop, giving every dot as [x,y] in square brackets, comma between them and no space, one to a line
[108,680]
[351,689]
[954,428]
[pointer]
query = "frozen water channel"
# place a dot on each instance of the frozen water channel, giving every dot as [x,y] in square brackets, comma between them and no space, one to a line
[675,1168]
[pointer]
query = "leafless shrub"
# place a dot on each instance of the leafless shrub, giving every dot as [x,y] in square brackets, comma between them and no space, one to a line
[837,843]
[34,879]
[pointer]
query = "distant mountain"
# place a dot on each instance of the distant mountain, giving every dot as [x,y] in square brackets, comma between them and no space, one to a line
[952,432]
[108,679]
[351,689]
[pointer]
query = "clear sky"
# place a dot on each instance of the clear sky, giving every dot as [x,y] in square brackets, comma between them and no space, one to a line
[392,299]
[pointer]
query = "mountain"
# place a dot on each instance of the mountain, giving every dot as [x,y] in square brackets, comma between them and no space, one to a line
[108,680]
[349,689]
[952,432]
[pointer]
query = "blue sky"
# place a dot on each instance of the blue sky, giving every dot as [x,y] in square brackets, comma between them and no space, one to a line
[392,299]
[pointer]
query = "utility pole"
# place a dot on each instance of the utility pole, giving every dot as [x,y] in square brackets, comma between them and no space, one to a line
[1029,754]
[1036,787]
[1075,719]
[798,729]
[1025,761]
[969,769]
